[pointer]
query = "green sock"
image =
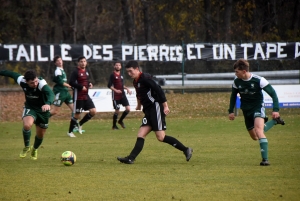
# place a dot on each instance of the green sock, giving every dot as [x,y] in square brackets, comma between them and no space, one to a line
[263,142]
[269,125]
[26,137]
[37,142]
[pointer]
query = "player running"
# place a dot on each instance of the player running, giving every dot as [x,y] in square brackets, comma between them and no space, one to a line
[250,87]
[38,98]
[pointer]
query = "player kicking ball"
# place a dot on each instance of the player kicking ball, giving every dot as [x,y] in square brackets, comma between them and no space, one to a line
[155,107]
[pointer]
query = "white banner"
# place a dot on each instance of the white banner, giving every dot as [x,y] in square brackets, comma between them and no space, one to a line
[288,96]
[103,100]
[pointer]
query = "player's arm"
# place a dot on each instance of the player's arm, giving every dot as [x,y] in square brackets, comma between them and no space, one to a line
[233,95]
[58,79]
[11,74]
[272,93]
[128,90]
[73,81]
[139,105]
[158,90]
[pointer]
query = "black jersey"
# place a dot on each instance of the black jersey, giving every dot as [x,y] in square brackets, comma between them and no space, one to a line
[79,79]
[116,80]
[148,91]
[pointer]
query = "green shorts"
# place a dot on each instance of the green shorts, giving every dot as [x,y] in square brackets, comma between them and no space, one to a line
[62,97]
[41,119]
[250,115]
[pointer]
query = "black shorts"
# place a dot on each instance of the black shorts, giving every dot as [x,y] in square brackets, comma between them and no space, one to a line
[123,101]
[83,105]
[155,117]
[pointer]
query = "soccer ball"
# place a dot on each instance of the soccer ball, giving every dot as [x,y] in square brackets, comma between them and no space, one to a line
[68,158]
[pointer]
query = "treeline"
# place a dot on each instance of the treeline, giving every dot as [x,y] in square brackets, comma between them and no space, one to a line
[148,21]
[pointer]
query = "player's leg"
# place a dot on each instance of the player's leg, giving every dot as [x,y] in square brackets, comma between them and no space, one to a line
[56,104]
[273,122]
[125,103]
[139,144]
[41,127]
[28,120]
[88,105]
[263,141]
[116,106]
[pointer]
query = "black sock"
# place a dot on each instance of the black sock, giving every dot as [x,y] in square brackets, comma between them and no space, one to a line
[175,143]
[137,148]
[86,117]
[73,123]
[123,115]
[115,117]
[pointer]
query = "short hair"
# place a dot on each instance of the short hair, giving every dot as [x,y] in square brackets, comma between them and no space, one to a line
[133,64]
[30,75]
[115,62]
[81,57]
[241,64]
[56,57]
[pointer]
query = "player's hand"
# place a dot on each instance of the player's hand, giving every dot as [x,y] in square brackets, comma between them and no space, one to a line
[118,91]
[129,91]
[166,110]
[231,116]
[84,88]
[90,85]
[46,108]
[275,115]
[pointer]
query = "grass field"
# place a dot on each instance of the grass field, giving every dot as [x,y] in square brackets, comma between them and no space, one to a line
[224,166]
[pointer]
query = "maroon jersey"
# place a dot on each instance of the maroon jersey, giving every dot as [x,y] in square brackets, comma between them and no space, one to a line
[80,78]
[116,80]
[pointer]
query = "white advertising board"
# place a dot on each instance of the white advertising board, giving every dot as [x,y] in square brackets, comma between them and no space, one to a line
[288,96]
[103,101]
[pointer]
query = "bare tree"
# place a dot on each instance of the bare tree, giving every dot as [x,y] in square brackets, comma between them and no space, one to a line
[127,20]
[296,17]
[208,20]
[147,26]
[227,20]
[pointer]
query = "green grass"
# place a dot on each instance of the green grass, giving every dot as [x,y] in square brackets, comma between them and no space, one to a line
[224,166]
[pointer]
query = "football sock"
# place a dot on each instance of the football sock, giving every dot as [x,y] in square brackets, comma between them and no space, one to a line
[269,125]
[263,142]
[73,123]
[26,137]
[37,142]
[137,148]
[86,117]
[123,115]
[115,117]
[174,142]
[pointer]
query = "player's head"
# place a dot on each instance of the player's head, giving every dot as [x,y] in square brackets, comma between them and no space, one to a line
[117,66]
[241,68]
[31,78]
[132,64]
[133,70]
[241,64]
[58,61]
[82,63]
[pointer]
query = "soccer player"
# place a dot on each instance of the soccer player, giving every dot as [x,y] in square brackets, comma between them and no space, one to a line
[250,87]
[79,80]
[38,98]
[116,84]
[60,90]
[155,107]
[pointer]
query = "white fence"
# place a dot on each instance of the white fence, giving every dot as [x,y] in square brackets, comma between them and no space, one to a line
[224,80]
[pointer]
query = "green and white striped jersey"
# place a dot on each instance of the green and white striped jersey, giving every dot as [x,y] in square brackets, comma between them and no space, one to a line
[35,98]
[251,93]
[59,78]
